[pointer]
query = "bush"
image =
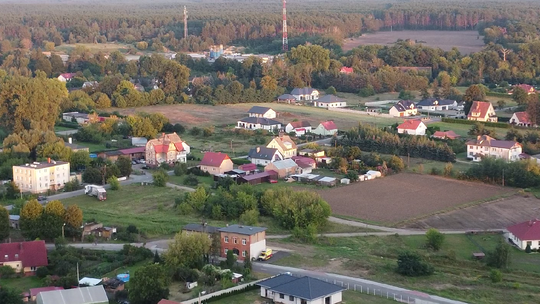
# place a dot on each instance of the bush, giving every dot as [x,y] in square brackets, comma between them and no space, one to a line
[411,264]
[42,272]
[241,161]
[113,181]
[180,169]
[500,257]
[197,171]
[190,180]
[434,239]
[72,185]
[528,248]
[367,91]
[495,276]
[472,122]
[6,272]
[160,178]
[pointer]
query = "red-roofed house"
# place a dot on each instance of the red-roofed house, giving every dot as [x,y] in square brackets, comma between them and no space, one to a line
[526,233]
[35,291]
[168,148]
[482,111]
[216,163]
[326,128]
[412,127]
[134,153]
[24,256]
[66,77]
[526,87]
[521,119]
[346,70]
[445,135]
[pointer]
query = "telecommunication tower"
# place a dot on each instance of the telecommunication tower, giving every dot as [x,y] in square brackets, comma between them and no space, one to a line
[185,22]
[285,39]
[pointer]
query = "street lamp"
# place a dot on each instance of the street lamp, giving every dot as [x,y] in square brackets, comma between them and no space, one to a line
[63,230]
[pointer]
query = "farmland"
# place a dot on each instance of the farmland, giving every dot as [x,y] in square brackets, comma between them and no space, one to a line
[457,275]
[405,196]
[466,41]
[191,115]
[494,215]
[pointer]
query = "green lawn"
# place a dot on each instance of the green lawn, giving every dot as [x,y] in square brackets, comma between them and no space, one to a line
[61,128]
[22,284]
[457,275]
[94,147]
[349,297]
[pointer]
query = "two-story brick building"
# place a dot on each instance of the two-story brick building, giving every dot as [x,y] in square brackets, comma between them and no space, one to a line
[244,241]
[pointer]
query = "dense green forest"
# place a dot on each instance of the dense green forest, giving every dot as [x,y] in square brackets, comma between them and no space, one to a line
[160,23]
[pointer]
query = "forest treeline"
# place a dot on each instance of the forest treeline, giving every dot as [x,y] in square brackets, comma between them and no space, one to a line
[160,23]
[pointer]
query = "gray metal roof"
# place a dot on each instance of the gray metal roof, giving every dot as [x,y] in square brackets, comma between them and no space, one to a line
[240,229]
[307,288]
[302,91]
[260,120]
[259,110]
[284,164]
[262,153]
[83,295]
[276,281]
[201,228]
[329,99]
[285,97]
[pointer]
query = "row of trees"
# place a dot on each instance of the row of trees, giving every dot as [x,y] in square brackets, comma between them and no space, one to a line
[369,138]
[51,221]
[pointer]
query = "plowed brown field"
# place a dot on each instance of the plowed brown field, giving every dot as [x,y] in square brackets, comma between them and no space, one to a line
[405,196]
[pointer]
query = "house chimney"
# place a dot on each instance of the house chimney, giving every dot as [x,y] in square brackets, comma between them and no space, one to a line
[258,149]
[70,140]
[49,160]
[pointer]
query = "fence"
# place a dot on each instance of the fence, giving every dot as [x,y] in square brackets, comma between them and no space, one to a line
[360,112]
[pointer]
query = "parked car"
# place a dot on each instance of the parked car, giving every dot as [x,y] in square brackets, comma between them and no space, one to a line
[143,161]
[41,198]
[133,162]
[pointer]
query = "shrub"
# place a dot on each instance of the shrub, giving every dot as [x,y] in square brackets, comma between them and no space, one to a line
[495,276]
[434,239]
[113,181]
[160,178]
[42,272]
[528,248]
[190,180]
[6,272]
[180,169]
[411,264]
[500,257]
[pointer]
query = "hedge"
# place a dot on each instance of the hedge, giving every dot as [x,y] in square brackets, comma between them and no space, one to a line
[241,161]
[472,122]
[68,124]
[232,293]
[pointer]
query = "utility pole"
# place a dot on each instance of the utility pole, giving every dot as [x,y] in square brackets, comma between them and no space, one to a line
[104,173]
[285,38]
[503,177]
[63,226]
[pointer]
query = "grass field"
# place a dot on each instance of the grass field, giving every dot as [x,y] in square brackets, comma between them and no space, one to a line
[349,297]
[21,284]
[466,41]
[94,147]
[457,275]
[61,128]
[94,47]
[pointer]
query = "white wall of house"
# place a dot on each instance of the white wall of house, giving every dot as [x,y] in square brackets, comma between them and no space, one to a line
[256,126]
[300,131]
[523,244]
[506,154]
[286,299]
[330,104]
[312,96]
[421,130]
[320,130]
[256,248]
[261,162]
[394,112]
[269,114]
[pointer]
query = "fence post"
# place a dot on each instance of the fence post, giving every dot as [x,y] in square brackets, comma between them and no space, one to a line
[367,290]
[387,294]
[361,287]
[354,287]
[348,286]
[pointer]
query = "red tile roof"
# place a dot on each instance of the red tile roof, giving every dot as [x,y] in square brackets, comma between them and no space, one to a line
[411,124]
[213,159]
[446,134]
[34,291]
[133,150]
[68,75]
[308,160]
[329,125]
[179,147]
[346,70]
[528,88]
[523,117]
[526,231]
[487,141]
[247,167]
[161,148]
[479,109]
[300,124]
[32,254]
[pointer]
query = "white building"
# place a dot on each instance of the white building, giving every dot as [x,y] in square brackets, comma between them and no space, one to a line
[82,295]
[40,177]
[434,104]
[329,101]
[262,112]
[298,127]
[288,289]
[485,146]
[263,156]
[521,119]
[256,123]
[482,111]
[412,127]
[81,118]
[403,108]
[302,94]
[526,233]
[326,128]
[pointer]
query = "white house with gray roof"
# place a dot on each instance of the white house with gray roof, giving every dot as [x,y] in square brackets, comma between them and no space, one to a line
[288,289]
[256,123]
[262,112]
[263,156]
[330,101]
[302,94]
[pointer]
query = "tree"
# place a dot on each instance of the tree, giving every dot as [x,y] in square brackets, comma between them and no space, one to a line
[180,169]
[411,264]
[124,165]
[310,55]
[448,169]
[405,95]
[473,93]
[113,181]
[231,259]
[188,250]
[434,239]
[4,223]
[92,176]
[500,257]
[331,90]
[10,296]
[250,217]
[52,220]
[31,214]
[528,248]
[478,129]
[79,160]
[160,177]
[12,190]
[73,217]
[396,163]
[149,285]
[501,104]
[495,275]
[519,96]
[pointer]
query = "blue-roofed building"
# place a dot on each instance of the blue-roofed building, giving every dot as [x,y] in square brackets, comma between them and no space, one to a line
[286,288]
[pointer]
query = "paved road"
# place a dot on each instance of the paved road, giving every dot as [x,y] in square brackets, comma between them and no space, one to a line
[392,292]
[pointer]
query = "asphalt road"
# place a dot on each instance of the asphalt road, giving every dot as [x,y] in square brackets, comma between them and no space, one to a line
[358,284]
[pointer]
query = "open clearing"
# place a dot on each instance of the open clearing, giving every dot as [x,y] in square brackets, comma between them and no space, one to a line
[495,215]
[405,196]
[204,115]
[466,41]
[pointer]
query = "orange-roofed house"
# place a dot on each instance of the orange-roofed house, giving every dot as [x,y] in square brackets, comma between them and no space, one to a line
[412,127]
[521,119]
[284,144]
[326,128]
[526,233]
[445,135]
[216,163]
[482,111]
[169,148]
[525,87]
[346,70]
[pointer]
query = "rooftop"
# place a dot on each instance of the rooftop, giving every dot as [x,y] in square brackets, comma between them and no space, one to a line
[284,164]
[487,141]
[261,152]
[213,159]
[259,110]
[410,124]
[329,125]
[41,165]
[240,229]
[260,120]
[303,91]
[329,99]
[526,231]
[404,105]
[307,288]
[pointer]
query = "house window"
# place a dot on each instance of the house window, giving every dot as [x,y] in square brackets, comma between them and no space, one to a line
[291,298]
[244,241]
[226,239]
[281,296]
[529,243]
[303,301]
[225,250]
[6,257]
[33,268]
[16,255]
[244,253]
[235,241]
